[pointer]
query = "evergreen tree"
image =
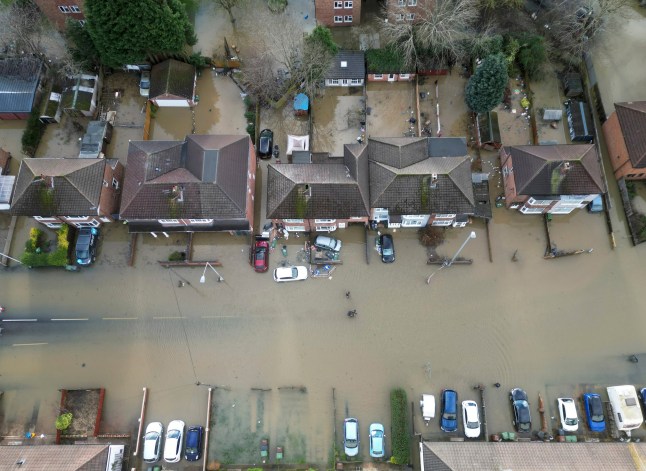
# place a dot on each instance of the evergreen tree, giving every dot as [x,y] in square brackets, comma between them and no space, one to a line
[485,89]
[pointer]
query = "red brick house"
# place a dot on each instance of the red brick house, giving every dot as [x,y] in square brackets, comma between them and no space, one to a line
[59,11]
[554,179]
[79,192]
[625,133]
[333,13]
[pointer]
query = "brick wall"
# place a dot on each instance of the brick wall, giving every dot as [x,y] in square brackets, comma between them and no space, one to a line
[51,10]
[326,13]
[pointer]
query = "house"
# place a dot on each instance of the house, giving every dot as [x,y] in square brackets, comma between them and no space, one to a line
[535,455]
[95,140]
[415,181]
[203,183]
[348,69]
[21,81]
[386,65]
[58,14]
[411,11]
[321,195]
[625,133]
[79,192]
[81,95]
[579,121]
[333,13]
[172,84]
[554,179]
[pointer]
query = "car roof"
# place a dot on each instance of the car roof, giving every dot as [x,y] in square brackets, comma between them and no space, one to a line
[282,272]
[568,405]
[154,427]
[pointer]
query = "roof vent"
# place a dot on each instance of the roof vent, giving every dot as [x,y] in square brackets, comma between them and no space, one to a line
[344,64]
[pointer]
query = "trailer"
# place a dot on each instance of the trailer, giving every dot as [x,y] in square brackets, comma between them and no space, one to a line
[626,411]
[427,404]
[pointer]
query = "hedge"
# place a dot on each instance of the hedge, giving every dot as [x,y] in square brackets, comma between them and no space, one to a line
[33,133]
[399,421]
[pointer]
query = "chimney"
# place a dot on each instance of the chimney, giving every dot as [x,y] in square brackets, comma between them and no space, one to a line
[47,181]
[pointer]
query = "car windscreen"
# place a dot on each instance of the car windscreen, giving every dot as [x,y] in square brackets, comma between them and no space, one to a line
[473,425]
[571,421]
[173,434]
[264,144]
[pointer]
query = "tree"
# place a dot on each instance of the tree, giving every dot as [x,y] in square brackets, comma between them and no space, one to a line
[485,89]
[531,54]
[22,27]
[494,4]
[127,31]
[228,6]
[82,48]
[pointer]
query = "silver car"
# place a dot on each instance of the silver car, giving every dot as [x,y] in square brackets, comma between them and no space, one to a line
[328,243]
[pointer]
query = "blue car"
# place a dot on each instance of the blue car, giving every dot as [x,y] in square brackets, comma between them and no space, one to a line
[594,412]
[193,447]
[449,421]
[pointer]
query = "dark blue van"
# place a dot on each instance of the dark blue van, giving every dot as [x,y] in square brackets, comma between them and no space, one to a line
[449,421]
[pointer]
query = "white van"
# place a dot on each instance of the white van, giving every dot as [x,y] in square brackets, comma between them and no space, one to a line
[625,407]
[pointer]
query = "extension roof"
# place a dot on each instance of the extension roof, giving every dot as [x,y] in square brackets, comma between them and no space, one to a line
[172,78]
[19,78]
[632,120]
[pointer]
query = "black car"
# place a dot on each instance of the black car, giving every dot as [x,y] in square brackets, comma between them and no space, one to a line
[387,248]
[193,449]
[86,245]
[520,408]
[265,143]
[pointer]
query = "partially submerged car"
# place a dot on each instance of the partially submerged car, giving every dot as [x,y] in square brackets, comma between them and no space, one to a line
[265,143]
[427,404]
[282,274]
[351,437]
[173,445]
[193,447]
[387,248]
[86,245]
[449,417]
[471,419]
[328,243]
[144,83]
[567,412]
[520,407]
[594,412]
[377,444]
[152,442]
[260,255]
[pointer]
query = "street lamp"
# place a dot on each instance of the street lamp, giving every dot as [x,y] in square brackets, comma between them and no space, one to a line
[203,277]
[472,235]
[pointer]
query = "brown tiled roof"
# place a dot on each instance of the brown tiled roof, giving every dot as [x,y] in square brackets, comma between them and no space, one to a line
[531,456]
[203,177]
[58,187]
[172,77]
[632,119]
[54,457]
[564,169]
[398,152]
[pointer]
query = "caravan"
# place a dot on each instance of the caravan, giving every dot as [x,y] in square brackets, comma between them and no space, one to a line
[625,407]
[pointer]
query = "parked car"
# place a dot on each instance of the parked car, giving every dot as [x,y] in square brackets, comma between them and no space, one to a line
[377,445]
[567,411]
[520,407]
[152,442]
[144,83]
[173,444]
[193,447]
[387,248]
[86,245]
[471,419]
[265,143]
[449,420]
[328,243]
[290,274]
[351,437]
[260,255]
[594,412]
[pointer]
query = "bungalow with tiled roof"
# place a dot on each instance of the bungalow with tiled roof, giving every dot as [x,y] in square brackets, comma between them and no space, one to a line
[625,133]
[79,192]
[172,83]
[348,69]
[203,183]
[553,179]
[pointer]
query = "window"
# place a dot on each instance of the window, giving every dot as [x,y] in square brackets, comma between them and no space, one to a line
[356,81]
[334,81]
[412,3]
[115,183]
[325,228]
[54,225]
[413,222]
[357,217]
[41,218]
[347,19]
[295,228]
[76,9]
[200,221]
[82,22]
[526,210]
[76,218]
[534,202]
[169,221]
[410,16]
[338,5]
[347,4]
[562,210]
[92,223]
[445,216]
[399,16]
[404,76]
[105,184]
[324,221]
[338,19]
[293,220]
[401,3]
[63,9]
[379,76]
[441,222]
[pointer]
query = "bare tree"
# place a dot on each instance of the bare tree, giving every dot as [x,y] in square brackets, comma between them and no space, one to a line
[228,5]
[21,27]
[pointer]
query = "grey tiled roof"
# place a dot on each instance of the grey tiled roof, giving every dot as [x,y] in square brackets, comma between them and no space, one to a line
[447,146]
[632,119]
[543,170]
[19,78]
[355,66]
[398,152]
[203,177]
[172,77]
[58,187]
[55,457]
[531,456]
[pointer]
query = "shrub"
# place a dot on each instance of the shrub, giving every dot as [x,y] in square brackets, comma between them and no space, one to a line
[63,421]
[58,258]
[430,236]
[532,54]
[33,133]
[399,423]
[250,116]
[277,6]
[251,130]
[35,237]
[62,236]
[32,259]
[631,188]
[176,257]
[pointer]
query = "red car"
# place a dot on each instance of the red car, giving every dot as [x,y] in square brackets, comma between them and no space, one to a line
[260,254]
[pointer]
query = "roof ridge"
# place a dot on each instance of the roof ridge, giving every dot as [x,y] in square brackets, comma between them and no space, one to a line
[78,189]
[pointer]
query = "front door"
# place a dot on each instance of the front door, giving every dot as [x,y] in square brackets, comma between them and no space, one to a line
[391,77]
[345,82]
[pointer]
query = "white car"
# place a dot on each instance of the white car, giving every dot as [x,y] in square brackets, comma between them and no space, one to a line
[173,445]
[290,274]
[152,442]
[144,83]
[470,419]
[567,411]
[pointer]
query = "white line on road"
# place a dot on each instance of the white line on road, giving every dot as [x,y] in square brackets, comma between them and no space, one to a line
[28,344]
[70,319]
[19,320]
[119,318]
[174,317]
[219,317]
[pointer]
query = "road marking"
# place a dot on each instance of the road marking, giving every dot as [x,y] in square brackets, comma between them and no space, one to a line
[70,319]
[28,344]
[19,320]
[219,317]
[119,318]
[174,317]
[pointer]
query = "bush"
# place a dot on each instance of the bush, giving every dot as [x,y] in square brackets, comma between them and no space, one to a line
[250,116]
[631,188]
[430,236]
[33,133]
[399,422]
[251,130]
[63,421]
[58,258]
[35,237]
[531,54]
[62,236]
[176,257]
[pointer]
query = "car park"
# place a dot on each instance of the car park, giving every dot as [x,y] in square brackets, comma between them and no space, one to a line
[377,444]
[351,437]
[193,447]
[260,255]
[328,243]
[86,245]
[594,412]
[144,83]
[470,419]
[520,407]
[282,274]
[387,248]
[173,444]
[152,442]
[449,415]
[567,412]
[265,143]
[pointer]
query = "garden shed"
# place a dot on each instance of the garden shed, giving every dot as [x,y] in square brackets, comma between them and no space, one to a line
[172,84]
[489,131]
[579,121]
